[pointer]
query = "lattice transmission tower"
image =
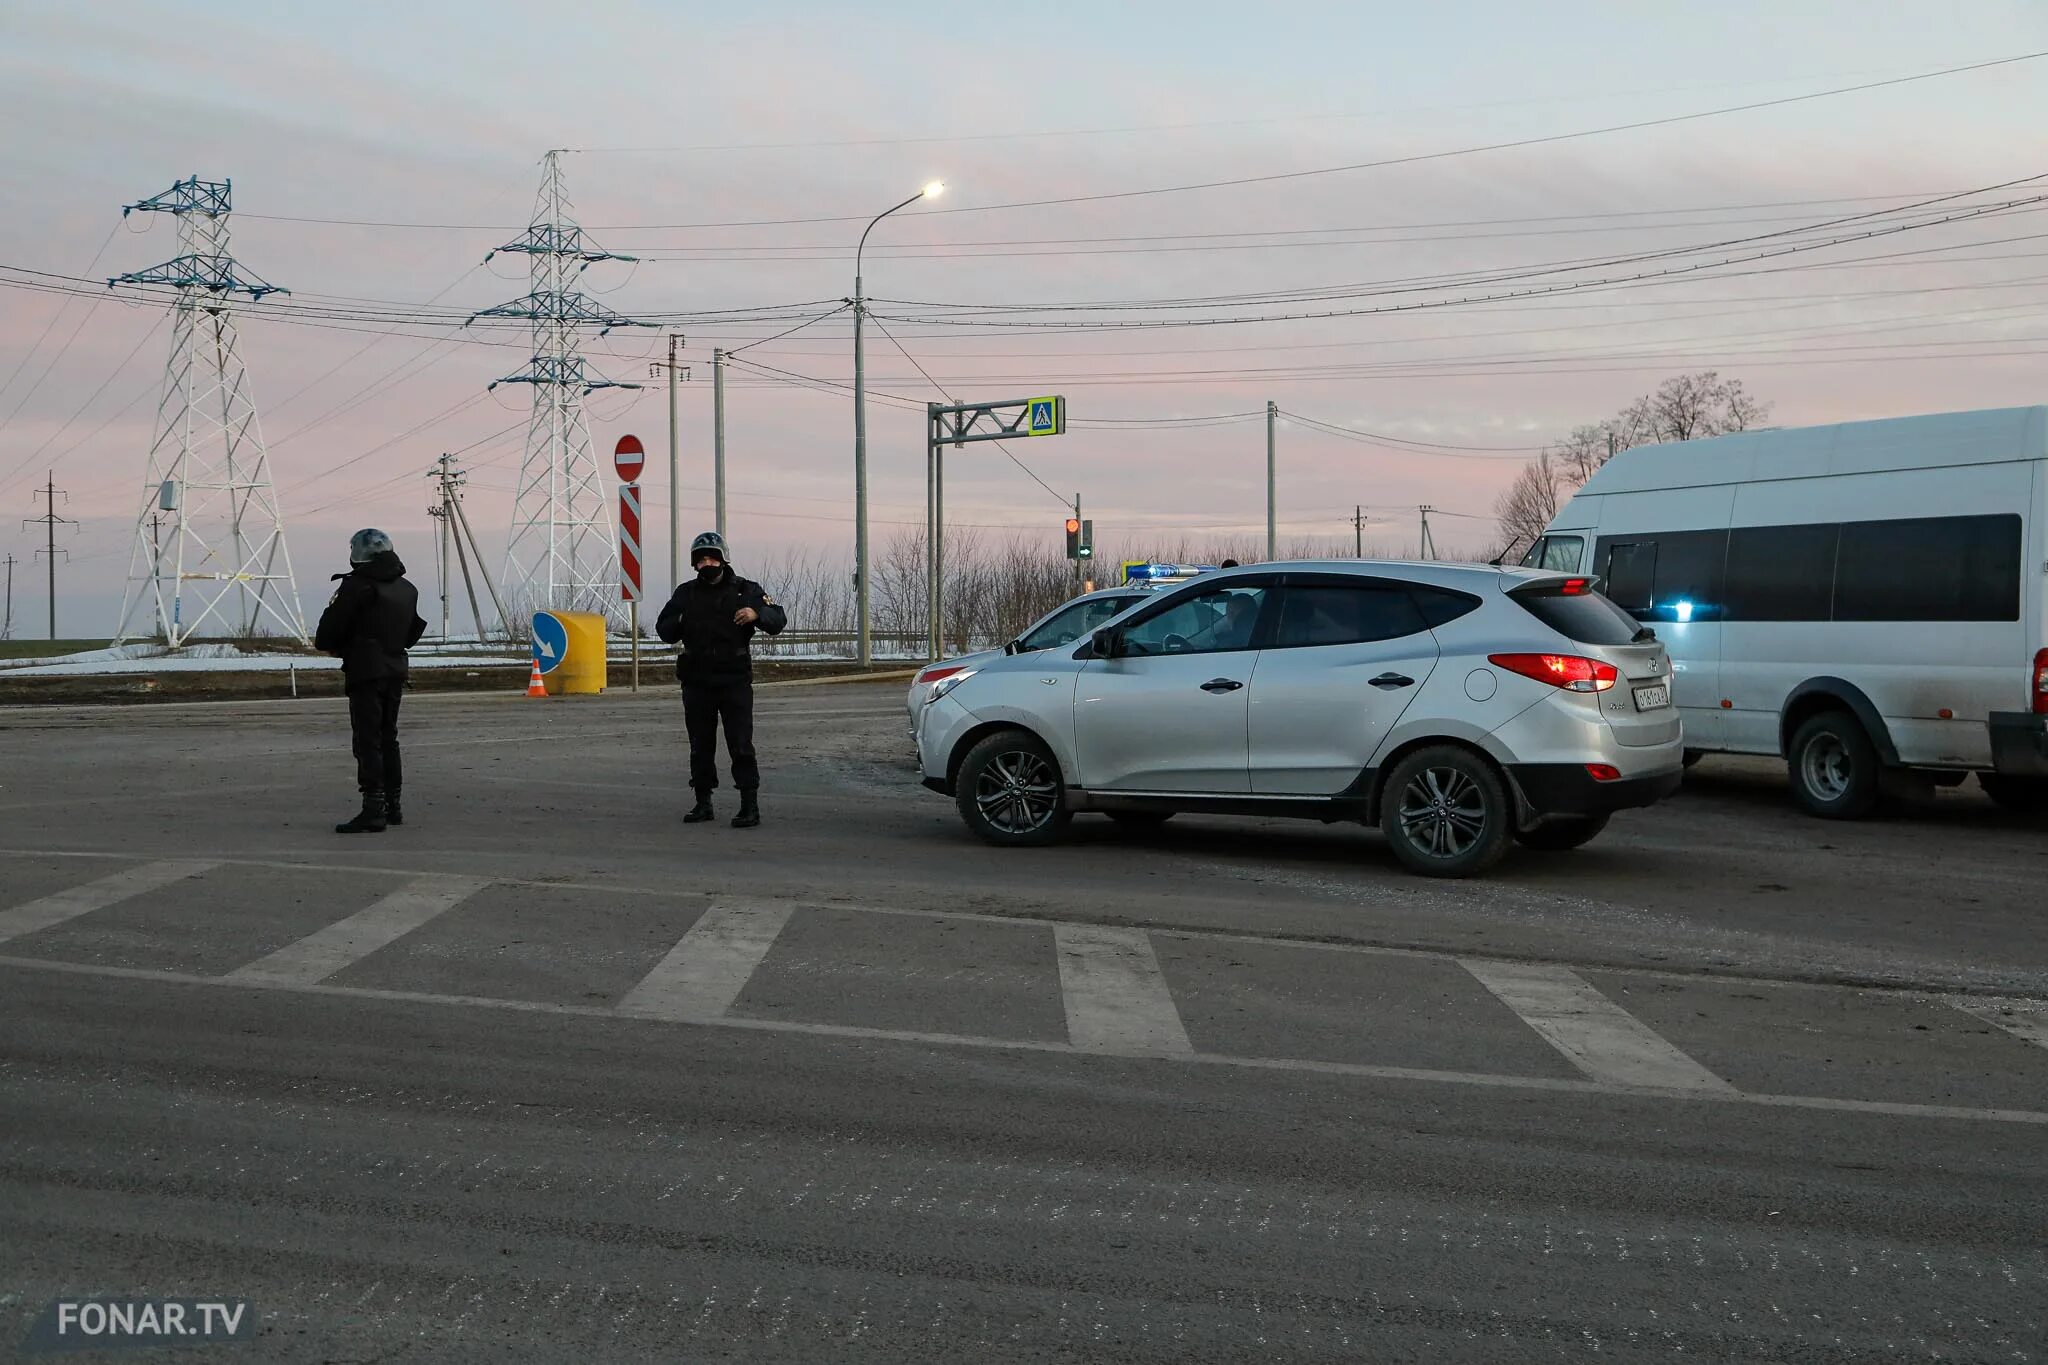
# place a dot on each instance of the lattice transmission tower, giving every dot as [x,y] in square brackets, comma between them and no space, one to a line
[221,564]
[562,552]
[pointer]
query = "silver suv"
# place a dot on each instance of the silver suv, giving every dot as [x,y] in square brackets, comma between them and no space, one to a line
[1071,620]
[1458,707]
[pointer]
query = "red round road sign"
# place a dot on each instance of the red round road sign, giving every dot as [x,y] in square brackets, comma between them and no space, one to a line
[629,457]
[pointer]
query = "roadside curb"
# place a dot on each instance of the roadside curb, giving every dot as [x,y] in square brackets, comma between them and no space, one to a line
[893,676]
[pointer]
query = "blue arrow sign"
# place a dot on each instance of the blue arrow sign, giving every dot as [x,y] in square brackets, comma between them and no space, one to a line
[550,641]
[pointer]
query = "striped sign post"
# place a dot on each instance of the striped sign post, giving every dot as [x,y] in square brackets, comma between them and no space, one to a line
[629,564]
[629,457]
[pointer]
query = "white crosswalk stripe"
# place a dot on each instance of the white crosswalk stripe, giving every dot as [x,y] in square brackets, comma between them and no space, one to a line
[94,895]
[321,954]
[1600,1037]
[711,964]
[2026,1019]
[1116,997]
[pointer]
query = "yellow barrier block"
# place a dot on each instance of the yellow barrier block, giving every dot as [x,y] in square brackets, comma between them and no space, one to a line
[570,646]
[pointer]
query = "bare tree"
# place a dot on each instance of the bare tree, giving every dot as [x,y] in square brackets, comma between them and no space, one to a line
[1529,503]
[1685,407]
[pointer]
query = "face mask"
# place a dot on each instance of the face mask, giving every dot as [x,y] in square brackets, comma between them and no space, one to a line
[708,573]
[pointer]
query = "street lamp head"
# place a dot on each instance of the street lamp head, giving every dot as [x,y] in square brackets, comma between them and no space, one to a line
[934,189]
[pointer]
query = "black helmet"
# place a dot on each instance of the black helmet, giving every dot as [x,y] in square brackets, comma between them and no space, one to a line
[711,542]
[366,544]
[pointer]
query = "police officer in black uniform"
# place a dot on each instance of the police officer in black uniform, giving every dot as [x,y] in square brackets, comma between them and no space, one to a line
[713,616]
[370,622]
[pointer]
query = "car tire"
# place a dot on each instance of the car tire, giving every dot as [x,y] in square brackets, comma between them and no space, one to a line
[1692,756]
[2023,795]
[1446,813]
[1834,768]
[1140,821]
[1010,792]
[1556,836]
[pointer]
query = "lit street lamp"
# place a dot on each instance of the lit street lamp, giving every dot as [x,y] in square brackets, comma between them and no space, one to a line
[860,429]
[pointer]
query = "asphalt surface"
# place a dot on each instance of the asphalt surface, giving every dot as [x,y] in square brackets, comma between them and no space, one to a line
[546,1075]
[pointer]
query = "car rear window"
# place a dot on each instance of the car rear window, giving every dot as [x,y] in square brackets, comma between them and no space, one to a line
[1584,616]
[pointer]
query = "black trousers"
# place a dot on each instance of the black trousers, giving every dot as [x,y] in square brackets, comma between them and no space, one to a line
[373,730]
[705,705]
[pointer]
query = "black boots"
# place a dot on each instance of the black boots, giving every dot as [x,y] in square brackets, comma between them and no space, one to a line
[749,816]
[369,820]
[392,815]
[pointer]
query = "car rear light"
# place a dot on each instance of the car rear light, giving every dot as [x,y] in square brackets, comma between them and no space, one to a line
[932,675]
[2041,683]
[1603,772]
[1569,671]
[1576,587]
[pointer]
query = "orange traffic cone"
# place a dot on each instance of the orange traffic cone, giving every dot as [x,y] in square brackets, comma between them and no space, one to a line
[534,686]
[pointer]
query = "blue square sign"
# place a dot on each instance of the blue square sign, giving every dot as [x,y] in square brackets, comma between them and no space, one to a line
[1046,417]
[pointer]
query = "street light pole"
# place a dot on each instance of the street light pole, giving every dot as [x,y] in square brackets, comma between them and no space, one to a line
[860,432]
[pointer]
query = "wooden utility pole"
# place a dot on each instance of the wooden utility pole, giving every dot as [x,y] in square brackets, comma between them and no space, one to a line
[1358,532]
[7,624]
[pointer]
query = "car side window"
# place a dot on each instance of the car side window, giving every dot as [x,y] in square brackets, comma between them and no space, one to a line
[1064,628]
[1339,614]
[1077,622]
[1207,623]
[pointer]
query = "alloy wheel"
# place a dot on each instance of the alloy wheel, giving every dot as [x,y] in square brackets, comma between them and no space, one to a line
[1016,792]
[1443,811]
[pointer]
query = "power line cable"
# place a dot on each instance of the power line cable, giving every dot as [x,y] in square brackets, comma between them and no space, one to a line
[790,332]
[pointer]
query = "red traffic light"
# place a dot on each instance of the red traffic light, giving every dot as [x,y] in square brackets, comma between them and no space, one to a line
[1073,526]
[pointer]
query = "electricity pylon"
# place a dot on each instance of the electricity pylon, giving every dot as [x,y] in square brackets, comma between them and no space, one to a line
[224,565]
[563,552]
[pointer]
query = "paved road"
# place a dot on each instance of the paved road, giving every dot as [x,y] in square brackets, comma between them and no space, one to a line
[546,1075]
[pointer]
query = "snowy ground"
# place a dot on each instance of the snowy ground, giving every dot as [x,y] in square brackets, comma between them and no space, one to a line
[224,658]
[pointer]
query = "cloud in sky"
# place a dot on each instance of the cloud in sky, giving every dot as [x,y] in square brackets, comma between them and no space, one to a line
[438,114]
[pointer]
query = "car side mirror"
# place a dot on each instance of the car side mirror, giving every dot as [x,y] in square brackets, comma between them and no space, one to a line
[1107,643]
[1014,647]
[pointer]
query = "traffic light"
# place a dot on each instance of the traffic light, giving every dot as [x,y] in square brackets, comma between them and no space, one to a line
[1073,537]
[1087,548]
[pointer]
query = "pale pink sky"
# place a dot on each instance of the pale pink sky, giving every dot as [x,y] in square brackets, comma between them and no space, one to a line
[425,114]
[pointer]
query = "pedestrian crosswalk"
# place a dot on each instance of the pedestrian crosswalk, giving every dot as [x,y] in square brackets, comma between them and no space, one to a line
[918,975]
[1601,1038]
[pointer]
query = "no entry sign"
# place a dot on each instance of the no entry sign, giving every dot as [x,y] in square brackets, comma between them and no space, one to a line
[629,458]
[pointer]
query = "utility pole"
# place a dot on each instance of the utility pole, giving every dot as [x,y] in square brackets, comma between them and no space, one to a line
[1272,538]
[1428,545]
[50,521]
[675,372]
[717,440]
[443,522]
[675,494]
[1358,532]
[7,623]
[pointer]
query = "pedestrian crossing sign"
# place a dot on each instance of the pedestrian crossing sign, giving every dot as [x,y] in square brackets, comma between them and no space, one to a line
[1046,417]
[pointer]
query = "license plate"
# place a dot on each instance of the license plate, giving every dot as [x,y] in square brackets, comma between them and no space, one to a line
[1651,698]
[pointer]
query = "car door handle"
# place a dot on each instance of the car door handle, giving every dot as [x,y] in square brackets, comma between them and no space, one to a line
[1221,685]
[1390,681]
